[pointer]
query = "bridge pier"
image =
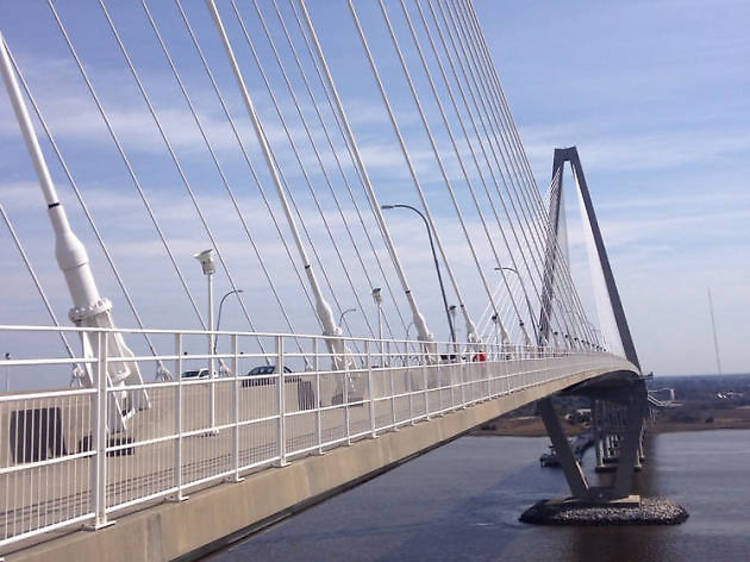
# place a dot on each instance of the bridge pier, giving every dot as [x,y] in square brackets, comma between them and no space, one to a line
[618,429]
[609,423]
[619,407]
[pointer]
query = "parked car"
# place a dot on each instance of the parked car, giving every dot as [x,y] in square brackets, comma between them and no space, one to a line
[261,375]
[195,374]
[266,375]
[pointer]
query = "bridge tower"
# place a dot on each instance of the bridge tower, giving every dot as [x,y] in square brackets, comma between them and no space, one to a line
[618,434]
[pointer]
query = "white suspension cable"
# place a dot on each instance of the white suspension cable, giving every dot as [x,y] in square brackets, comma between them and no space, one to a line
[308,183]
[528,233]
[470,328]
[339,165]
[441,166]
[126,161]
[180,171]
[246,157]
[77,369]
[479,137]
[457,151]
[467,140]
[325,313]
[161,370]
[525,188]
[352,150]
[324,172]
[220,171]
[521,154]
[418,320]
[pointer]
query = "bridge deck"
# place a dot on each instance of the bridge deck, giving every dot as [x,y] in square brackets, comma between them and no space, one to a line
[55,489]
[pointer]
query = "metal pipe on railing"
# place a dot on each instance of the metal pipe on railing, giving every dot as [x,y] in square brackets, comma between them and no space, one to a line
[281,399]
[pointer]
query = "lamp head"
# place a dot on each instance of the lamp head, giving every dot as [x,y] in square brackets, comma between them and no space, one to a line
[377,296]
[386,207]
[206,257]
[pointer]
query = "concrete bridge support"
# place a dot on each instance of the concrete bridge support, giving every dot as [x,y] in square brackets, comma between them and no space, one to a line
[609,422]
[619,401]
[619,410]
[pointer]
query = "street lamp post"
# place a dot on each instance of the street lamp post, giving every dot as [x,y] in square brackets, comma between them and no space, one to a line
[435,259]
[526,297]
[218,316]
[7,372]
[377,296]
[206,258]
[347,311]
[496,323]
[452,310]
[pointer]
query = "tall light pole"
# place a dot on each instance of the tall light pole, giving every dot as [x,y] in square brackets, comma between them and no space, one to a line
[7,372]
[496,323]
[206,258]
[526,297]
[452,311]
[378,298]
[218,316]
[435,259]
[348,310]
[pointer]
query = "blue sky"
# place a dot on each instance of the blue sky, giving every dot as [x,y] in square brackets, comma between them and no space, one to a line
[652,93]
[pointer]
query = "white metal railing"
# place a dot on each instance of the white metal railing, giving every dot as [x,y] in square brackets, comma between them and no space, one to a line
[60,466]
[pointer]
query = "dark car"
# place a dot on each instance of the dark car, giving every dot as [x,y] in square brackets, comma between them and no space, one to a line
[261,375]
[195,374]
[266,375]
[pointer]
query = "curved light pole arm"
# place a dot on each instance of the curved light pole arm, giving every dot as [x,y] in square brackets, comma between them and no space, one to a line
[218,315]
[435,259]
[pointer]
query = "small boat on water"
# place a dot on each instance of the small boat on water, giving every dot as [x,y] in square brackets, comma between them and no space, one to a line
[550,457]
[579,444]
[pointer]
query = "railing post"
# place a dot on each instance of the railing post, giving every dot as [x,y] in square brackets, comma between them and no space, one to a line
[236,406]
[99,437]
[462,374]
[281,399]
[178,407]
[393,398]
[451,376]
[424,376]
[318,404]
[487,372]
[345,400]
[409,383]
[439,379]
[371,389]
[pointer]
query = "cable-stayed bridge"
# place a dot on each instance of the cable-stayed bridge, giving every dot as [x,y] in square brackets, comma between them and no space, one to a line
[281,144]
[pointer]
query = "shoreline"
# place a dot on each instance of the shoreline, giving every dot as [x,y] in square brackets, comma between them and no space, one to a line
[533,427]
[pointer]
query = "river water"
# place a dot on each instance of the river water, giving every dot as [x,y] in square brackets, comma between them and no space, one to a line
[462,502]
